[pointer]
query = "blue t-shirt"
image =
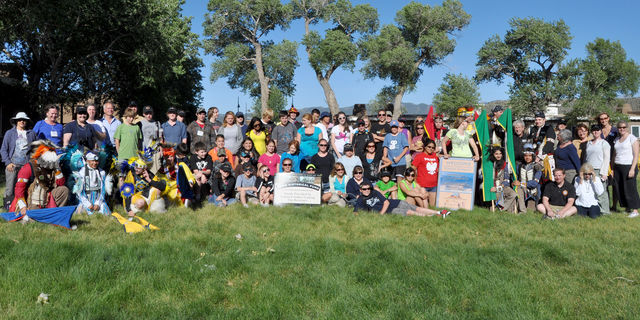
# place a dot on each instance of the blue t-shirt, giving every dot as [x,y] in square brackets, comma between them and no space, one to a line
[374,202]
[45,131]
[81,136]
[395,145]
[309,143]
[295,161]
[174,134]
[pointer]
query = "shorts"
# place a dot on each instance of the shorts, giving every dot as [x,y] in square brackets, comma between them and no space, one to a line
[398,171]
[403,207]
[431,189]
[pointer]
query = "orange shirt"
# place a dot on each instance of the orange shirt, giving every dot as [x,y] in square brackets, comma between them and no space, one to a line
[213,153]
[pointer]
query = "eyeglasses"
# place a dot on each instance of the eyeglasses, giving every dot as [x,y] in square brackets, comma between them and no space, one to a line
[248,170]
[381,115]
[341,118]
[311,169]
[365,189]
[286,164]
[358,172]
[340,169]
[265,170]
[371,146]
[624,127]
[412,175]
[323,145]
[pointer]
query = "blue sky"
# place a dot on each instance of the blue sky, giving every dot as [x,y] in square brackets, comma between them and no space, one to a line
[613,19]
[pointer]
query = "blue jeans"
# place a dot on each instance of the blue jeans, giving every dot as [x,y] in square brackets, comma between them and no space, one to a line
[230,201]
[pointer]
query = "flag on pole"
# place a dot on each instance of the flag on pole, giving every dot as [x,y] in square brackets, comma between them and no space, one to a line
[482,130]
[506,122]
[429,125]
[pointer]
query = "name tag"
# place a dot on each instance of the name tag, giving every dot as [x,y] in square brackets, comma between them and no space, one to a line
[54,134]
[200,133]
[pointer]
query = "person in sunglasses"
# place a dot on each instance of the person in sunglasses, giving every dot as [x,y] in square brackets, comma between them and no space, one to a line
[246,191]
[380,129]
[286,166]
[372,200]
[264,186]
[323,162]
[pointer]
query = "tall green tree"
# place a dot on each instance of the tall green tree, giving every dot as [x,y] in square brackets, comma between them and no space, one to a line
[455,91]
[604,75]
[423,37]
[338,48]
[72,50]
[235,32]
[531,55]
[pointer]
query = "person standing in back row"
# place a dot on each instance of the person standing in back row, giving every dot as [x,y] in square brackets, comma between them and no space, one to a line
[49,128]
[15,146]
[175,132]
[396,147]
[625,168]
[284,133]
[200,131]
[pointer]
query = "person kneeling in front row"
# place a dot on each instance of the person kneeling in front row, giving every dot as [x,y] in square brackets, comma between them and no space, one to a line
[558,197]
[372,200]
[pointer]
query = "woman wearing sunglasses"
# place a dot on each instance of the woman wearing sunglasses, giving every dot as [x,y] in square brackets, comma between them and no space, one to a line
[625,155]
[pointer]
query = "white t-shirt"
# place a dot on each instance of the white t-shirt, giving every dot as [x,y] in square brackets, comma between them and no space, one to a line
[341,137]
[624,151]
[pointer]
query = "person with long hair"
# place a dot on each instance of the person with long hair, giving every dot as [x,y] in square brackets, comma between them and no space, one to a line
[598,155]
[256,131]
[270,158]
[609,133]
[502,175]
[417,145]
[588,189]
[294,155]
[338,180]
[461,140]
[308,137]
[583,138]
[247,148]
[340,135]
[410,191]
[231,131]
[625,163]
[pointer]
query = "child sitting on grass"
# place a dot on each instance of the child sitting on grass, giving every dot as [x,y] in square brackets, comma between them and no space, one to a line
[201,165]
[246,190]
[387,187]
[264,185]
[372,200]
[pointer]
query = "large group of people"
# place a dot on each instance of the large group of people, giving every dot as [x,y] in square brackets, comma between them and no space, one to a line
[386,165]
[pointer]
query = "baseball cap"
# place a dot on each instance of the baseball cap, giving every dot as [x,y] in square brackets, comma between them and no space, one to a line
[244,154]
[81,110]
[200,110]
[172,110]
[562,121]
[222,152]
[539,114]
[247,167]
[310,166]
[239,114]
[226,167]
[497,108]
[348,147]
[147,110]
[325,114]
[394,123]
[596,127]
[182,113]
[133,104]
[389,113]
[360,122]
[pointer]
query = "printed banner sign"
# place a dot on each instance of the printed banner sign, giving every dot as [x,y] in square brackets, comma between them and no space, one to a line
[296,188]
[456,183]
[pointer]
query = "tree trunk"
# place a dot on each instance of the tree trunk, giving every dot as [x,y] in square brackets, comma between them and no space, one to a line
[264,81]
[397,103]
[329,95]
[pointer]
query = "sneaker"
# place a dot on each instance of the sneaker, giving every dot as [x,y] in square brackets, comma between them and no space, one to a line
[548,217]
[444,213]
[633,214]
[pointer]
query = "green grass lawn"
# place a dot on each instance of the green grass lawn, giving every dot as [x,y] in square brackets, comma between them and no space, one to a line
[323,262]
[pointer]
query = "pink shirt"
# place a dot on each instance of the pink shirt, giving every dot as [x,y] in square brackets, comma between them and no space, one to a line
[270,161]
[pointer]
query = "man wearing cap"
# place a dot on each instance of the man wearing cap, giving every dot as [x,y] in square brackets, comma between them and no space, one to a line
[396,147]
[80,132]
[174,131]
[151,128]
[109,121]
[49,128]
[246,185]
[293,115]
[199,131]
[283,133]
[542,135]
[240,122]
[181,115]
[15,146]
[380,129]
[360,138]
[324,124]
[134,106]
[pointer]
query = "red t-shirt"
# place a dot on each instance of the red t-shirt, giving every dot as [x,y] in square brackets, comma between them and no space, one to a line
[427,166]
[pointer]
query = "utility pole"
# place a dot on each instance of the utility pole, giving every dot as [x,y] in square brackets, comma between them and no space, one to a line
[238,104]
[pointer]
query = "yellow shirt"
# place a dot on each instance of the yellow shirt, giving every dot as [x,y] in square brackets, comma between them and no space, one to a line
[259,141]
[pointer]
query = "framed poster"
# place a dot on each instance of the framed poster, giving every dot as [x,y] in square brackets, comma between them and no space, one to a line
[456,183]
[296,188]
